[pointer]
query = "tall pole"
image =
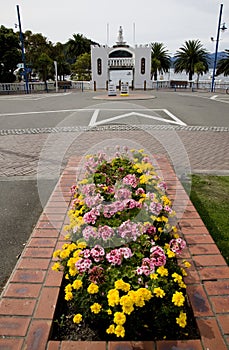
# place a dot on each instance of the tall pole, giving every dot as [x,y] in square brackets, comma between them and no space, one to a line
[23,51]
[216,49]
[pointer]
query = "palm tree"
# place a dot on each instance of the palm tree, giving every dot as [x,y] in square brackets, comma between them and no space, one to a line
[188,56]
[199,69]
[223,65]
[160,59]
[76,46]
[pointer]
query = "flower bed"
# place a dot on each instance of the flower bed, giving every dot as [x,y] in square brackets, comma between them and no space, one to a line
[122,279]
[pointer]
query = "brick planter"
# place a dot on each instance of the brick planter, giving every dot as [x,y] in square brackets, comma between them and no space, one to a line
[29,298]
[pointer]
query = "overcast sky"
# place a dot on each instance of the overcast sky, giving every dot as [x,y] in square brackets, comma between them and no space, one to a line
[144,21]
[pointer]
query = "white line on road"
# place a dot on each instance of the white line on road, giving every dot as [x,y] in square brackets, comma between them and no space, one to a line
[174,117]
[130,114]
[94,117]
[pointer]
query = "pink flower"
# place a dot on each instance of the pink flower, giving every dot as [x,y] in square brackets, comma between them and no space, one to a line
[97,253]
[157,256]
[88,232]
[129,230]
[122,193]
[105,232]
[91,216]
[155,208]
[177,245]
[131,180]
[162,185]
[83,265]
[139,191]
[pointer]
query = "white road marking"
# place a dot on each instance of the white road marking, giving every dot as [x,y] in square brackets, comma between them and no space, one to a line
[213,97]
[94,122]
[94,117]
[174,117]
[174,121]
[33,97]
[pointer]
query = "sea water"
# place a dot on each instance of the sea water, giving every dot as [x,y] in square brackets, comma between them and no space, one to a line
[126,76]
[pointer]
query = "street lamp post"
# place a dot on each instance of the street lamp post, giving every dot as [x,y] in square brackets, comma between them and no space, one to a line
[216,47]
[23,51]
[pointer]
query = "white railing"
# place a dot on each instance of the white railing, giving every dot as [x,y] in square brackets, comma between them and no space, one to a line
[120,62]
[7,88]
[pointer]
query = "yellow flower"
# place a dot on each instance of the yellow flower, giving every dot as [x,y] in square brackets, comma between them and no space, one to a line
[68,288]
[65,254]
[95,308]
[159,292]
[170,253]
[162,271]
[177,278]
[72,271]
[56,254]
[56,266]
[119,318]
[120,284]
[113,297]
[83,182]
[187,264]
[120,331]
[178,299]
[111,329]
[81,245]
[68,296]
[182,285]
[109,312]
[146,293]
[127,303]
[182,319]
[184,273]
[153,276]
[93,288]
[77,284]
[145,179]
[77,318]
[166,201]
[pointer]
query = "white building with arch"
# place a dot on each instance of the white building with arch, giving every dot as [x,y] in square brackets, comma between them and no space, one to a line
[121,63]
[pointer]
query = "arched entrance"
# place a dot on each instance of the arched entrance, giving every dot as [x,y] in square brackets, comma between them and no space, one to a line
[121,66]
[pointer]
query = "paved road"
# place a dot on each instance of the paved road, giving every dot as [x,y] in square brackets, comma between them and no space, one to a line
[38,133]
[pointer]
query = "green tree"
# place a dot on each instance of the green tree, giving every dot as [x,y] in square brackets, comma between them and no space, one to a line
[77,46]
[188,55]
[35,45]
[59,55]
[10,54]
[82,67]
[223,65]
[160,59]
[199,69]
[45,66]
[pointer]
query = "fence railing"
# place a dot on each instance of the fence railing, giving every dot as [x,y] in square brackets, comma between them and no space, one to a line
[36,87]
[201,85]
[33,87]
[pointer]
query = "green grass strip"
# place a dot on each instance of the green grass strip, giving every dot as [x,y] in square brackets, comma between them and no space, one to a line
[210,196]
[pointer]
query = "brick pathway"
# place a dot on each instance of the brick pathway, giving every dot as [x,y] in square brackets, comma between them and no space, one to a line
[206,151]
[28,302]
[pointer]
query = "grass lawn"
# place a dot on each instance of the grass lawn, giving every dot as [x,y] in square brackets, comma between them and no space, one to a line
[210,196]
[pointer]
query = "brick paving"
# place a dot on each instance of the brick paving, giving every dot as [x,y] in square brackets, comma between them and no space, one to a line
[206,151]
[28,302]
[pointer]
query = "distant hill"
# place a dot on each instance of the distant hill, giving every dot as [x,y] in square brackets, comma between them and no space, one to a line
[211,58]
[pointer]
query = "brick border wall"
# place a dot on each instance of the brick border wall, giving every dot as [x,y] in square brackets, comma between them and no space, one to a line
[29,298]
